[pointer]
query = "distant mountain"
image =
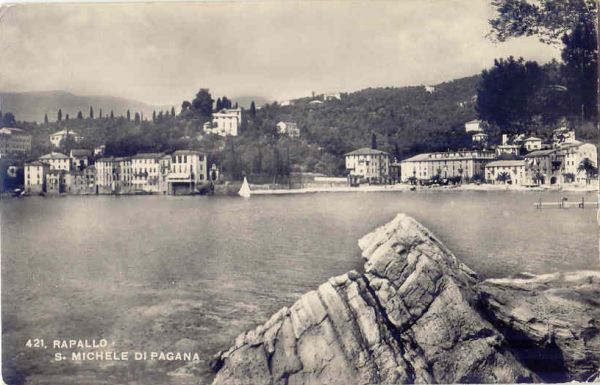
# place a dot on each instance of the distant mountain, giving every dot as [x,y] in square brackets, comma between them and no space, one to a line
[244,101]
[32,106]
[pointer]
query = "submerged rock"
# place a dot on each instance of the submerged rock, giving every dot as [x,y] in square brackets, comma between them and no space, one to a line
[411,317]
[551,321]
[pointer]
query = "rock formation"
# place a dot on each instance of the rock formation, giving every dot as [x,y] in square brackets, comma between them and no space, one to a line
[551,321]
[418,315]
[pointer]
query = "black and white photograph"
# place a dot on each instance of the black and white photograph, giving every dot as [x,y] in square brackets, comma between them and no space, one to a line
[302,192]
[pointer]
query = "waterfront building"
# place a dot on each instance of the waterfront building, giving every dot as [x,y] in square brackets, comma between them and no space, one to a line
[35,177]
[226,122]
[508,172]
[61,135]
[14,142]
[188,171]
[466,164]
[147,172]
[82,181]
[368,165]
[574,153]
[546,166]
[214,174]
[56,181]
[288,128]
[124,175]
[57,161]
[106,175]
[80,159]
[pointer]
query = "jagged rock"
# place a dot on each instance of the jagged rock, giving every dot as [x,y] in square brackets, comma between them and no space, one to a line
[551,321]
[410,318]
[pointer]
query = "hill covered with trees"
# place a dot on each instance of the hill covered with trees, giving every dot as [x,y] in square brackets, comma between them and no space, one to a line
[405,120]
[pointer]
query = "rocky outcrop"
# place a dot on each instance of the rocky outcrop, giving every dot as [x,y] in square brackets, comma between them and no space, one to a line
[551,321]
[412,316]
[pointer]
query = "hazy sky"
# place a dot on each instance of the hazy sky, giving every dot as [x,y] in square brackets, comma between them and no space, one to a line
[162,53]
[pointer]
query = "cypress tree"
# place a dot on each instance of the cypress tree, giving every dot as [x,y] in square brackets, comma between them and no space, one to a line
[59,115]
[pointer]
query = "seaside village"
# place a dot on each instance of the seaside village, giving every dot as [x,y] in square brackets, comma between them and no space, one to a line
[518,160]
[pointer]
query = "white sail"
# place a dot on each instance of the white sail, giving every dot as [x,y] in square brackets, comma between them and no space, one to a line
[245,189]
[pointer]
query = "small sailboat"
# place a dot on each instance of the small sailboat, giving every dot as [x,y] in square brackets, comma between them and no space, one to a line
[245,189]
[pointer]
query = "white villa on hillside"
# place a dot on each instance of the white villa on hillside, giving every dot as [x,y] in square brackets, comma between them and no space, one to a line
[288,128]
[226,122]
[58,136]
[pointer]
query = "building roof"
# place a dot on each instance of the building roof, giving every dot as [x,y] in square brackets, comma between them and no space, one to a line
[452,155]
[473,121]
[11,130]
[508,146]
[506,163]
[63,132]
[35,163]
[533,138]
[367,151]
[107,159]
[540,153]
[187,152]
[81,152]
[148,155]
[418,158]
[54,155]
[287,123]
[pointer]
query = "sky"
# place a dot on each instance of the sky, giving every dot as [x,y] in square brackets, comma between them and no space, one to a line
[162,53]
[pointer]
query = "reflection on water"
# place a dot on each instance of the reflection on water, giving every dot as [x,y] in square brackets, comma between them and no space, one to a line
[190,273]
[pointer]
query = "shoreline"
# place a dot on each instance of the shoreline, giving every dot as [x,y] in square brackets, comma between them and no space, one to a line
[405,187]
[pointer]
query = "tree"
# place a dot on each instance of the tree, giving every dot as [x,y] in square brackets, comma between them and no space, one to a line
[587,166]
[186,106]
[154,116]
[173,111]
[128,115]
[506,94]
[91,113]
[253,110]
[100,114]
[373,141]
[59,115]
[67,117]
[548,19]
[112,115]
[45,118]
[218,105]
[203,103]
[580,70]
[8,120]
[503,177]
[79,115]
[137,118]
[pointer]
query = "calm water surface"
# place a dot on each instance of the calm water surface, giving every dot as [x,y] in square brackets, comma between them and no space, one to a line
[190,273]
